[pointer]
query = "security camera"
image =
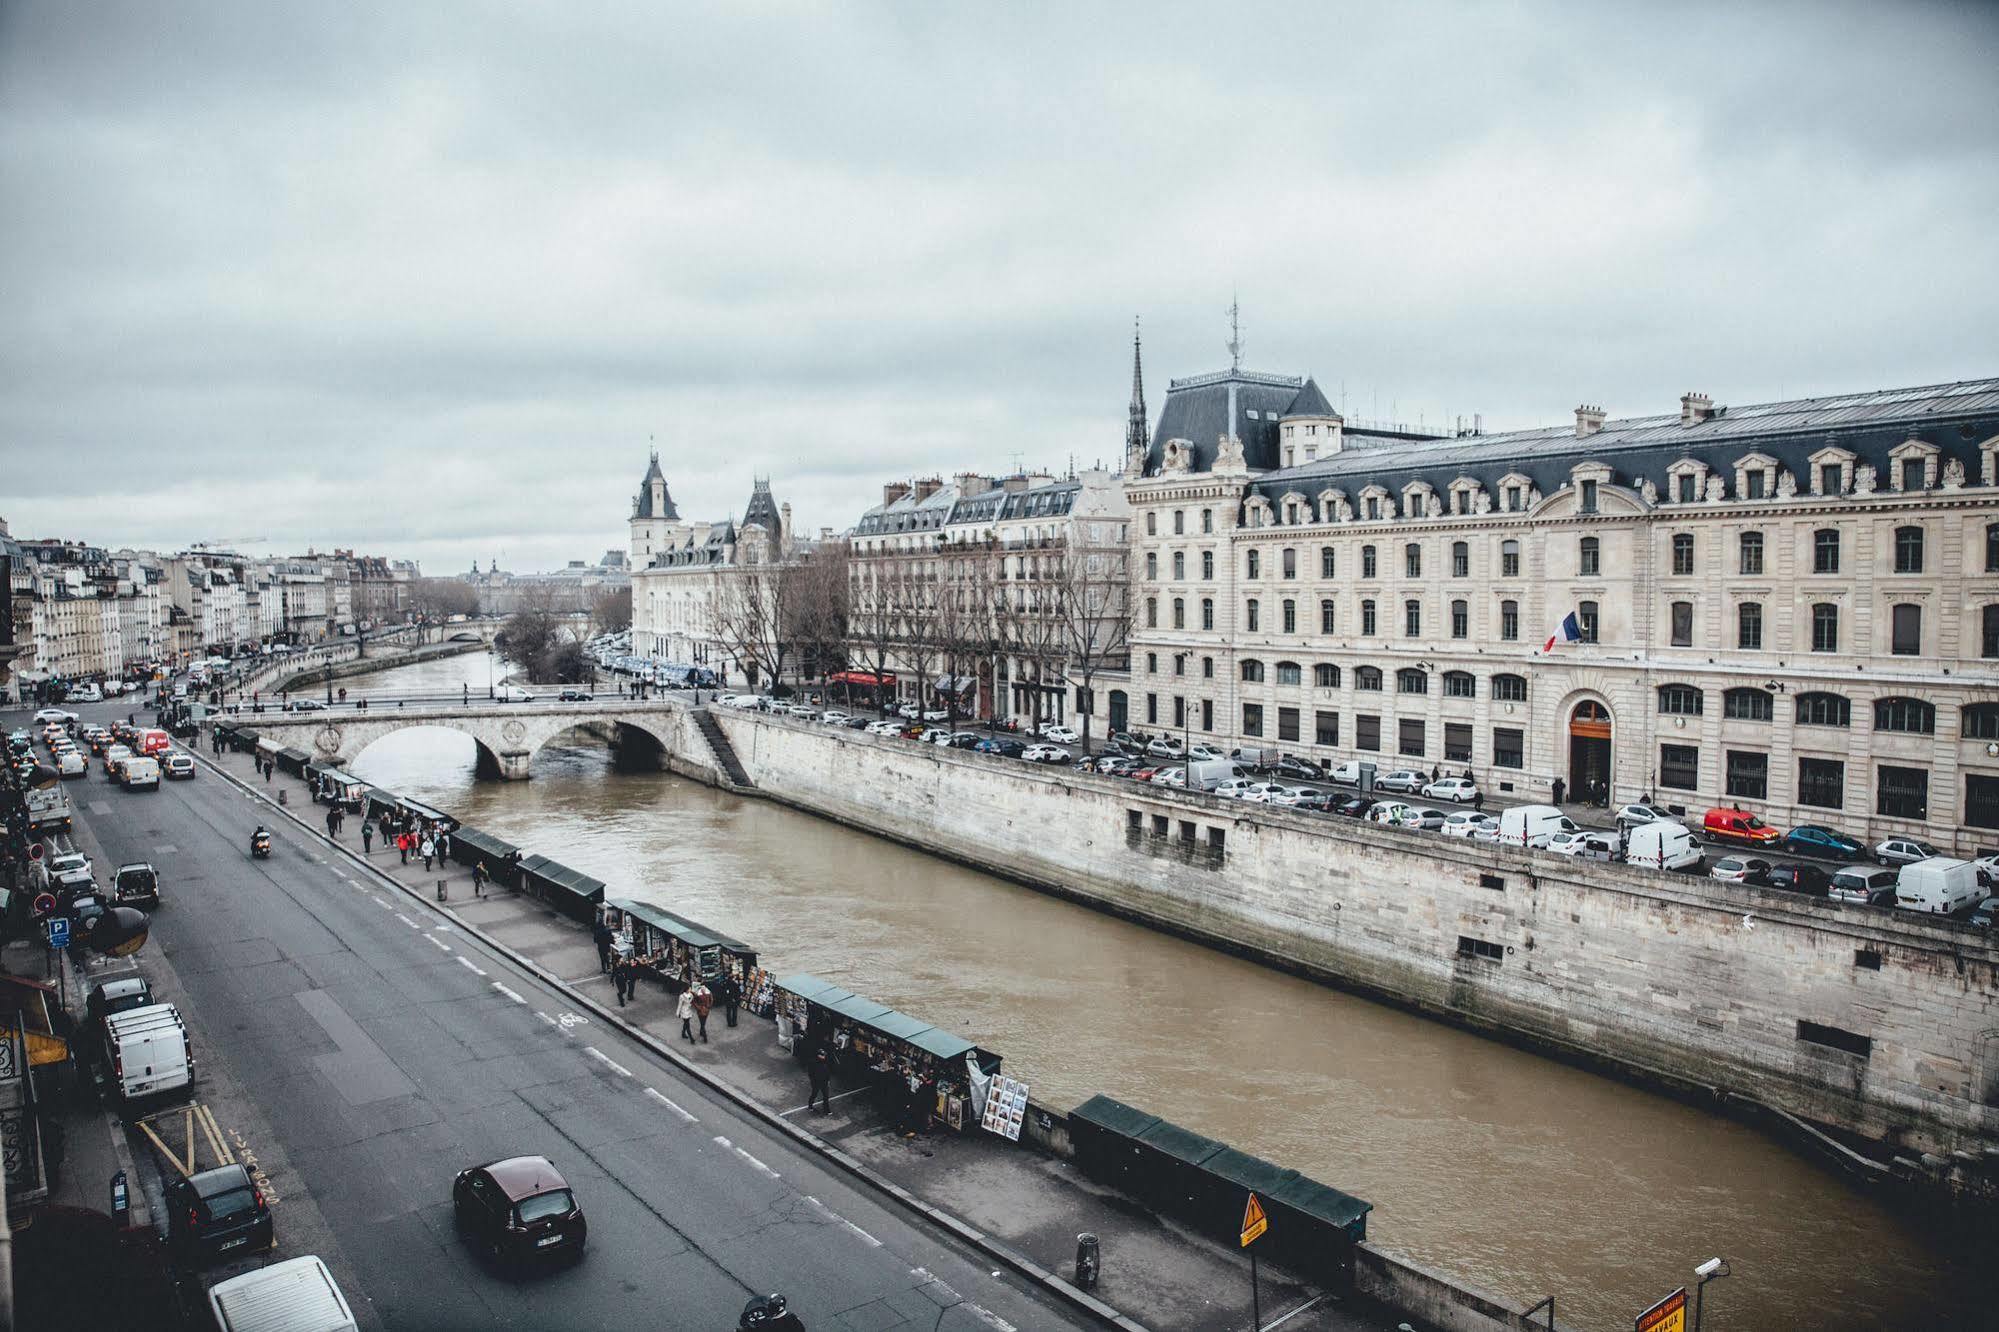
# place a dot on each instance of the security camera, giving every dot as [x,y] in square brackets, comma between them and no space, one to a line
[1708,1268]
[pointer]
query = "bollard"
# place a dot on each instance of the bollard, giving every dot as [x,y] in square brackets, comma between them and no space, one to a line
[1089,1260]
[440,890]
[281,796]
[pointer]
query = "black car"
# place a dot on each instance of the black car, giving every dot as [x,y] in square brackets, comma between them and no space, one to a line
[1796,878]
[1353,807]
[217,1213]
[1297,769]
[519,1209]
[573,696]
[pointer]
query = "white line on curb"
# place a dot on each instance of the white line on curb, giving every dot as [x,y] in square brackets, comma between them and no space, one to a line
[607,1061]
[509,993]
[470,965]
[667,1101]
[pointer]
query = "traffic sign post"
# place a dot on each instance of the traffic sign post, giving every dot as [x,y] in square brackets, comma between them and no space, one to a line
[1668,1315]
[58,928]
[1254,1223]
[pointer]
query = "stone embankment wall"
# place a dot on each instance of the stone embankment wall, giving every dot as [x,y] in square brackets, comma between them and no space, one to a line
[348,662]
[1869,1021]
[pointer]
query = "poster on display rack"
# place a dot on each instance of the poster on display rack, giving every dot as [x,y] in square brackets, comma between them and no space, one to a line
[1006,1106]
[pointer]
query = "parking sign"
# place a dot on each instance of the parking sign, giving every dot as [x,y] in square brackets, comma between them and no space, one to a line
[59,931]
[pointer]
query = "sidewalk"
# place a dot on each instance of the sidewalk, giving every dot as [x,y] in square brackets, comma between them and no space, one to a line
[1154,1271]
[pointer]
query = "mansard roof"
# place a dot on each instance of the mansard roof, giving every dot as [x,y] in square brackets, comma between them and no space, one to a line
[1310,402]
[762,510]
[1197,410]
[642,507]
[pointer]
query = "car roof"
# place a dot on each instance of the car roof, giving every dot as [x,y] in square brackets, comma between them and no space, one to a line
[222,1179]
[136,865]
[524,1176]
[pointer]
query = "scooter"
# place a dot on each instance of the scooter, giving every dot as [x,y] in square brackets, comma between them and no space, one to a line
[260,845]
[768,1313]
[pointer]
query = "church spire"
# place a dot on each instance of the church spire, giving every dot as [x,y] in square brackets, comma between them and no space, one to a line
[1135,427]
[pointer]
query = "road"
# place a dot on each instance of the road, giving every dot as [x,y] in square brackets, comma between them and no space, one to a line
[365,1051]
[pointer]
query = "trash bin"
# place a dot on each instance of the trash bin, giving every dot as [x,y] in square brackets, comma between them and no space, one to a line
[1089,1260]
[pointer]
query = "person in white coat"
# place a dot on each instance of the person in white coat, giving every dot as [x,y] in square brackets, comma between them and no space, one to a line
[684,1010]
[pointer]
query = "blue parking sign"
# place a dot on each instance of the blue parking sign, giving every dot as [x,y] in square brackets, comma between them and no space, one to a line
[59,931]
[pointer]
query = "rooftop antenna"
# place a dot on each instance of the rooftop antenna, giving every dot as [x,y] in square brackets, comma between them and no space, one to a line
[1235,335]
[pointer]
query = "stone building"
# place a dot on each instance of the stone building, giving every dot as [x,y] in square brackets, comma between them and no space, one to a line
[1792,607]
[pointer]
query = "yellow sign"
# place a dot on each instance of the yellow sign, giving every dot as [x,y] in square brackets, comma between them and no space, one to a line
[1668,1315]
[1254,1223]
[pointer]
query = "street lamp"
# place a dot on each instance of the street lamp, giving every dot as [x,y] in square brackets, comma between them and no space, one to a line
[1711,1270]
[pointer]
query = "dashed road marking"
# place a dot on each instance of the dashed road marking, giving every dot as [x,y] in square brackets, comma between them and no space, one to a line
[407,921]
[607,1061]
[380,902]
[470,965]
[439,942]
[834,1216]
[667,1101]
[546,1018]
[509,993]
[756,1165]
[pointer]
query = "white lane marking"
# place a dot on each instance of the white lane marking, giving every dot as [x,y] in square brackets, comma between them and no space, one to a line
[756,1165]
[1267,1327]
[470,965]
[667,1101]
[998,1324]
[442,929]
[380,903]
[407,921]
[546,1018]
[834,1216]
[607,1061]
[509,993]
[439,942]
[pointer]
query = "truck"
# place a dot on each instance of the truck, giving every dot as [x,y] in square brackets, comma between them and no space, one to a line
[147,1052]
[1532,825]
[1941,884]
[1664,846]
[48,811]
[297,1295]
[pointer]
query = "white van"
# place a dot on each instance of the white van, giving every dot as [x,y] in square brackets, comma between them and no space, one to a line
[298,1295]
[147,1051]
[1532,825]
[1663,846]
[141,774]
[1206,776]
[1940,884]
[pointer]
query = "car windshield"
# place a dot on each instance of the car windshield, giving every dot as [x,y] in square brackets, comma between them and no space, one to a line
[555,1202]
[235,1202]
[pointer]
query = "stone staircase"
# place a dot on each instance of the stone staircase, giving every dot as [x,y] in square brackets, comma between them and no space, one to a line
[724,752]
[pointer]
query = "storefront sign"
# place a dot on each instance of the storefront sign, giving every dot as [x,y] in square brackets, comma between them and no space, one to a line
[1006,1105]
[1668,1315]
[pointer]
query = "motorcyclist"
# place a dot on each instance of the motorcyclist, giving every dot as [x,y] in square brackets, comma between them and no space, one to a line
[260,840]
[768,1313]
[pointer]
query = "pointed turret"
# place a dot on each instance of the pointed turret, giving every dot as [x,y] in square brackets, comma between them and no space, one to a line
[1135,436]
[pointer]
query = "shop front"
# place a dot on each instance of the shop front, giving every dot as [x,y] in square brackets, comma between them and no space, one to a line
[920,1074]
[677,949]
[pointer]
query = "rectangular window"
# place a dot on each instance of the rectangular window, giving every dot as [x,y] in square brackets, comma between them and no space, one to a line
[1287,723]
[1409,737]
[1907,631]
[1908,550]
[1902,793]
[1748,774]
[1509,621]
[1589,497]
[1836,1038]
[1832,479]
[1412,561]
[1586,620]
[1479,948]
[1589,557]
[1326,728]
[1289,563]
[1749,626]
[1754,483]
[1513,499]
[1752,552]
[1460,560]
[1683,553]
[1367,561]
[1509,747]
[1680,767]
[1825,627]
[1327,564]
[1683,624]
[1217,840]
[1152,709]
[1822,783]
[1179,710]
[1252,719]
[1207,564]
[1290,616]
[1457,742]
[1509,559]
[1328,617]
[1207,714]
[1252,614]
[1367,731]
[1825,551]
[1685,489]
[1981,801]
[1912,473]
[1412,619]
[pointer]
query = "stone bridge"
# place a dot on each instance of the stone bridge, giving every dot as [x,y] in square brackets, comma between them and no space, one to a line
[508,734]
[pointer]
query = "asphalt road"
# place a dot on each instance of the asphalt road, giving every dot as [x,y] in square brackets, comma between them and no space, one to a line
[382,1051]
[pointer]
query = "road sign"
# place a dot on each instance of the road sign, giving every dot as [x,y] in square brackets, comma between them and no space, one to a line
[34,851]
[59,934]
[43,904]
[1254,1222]
[1668,1315]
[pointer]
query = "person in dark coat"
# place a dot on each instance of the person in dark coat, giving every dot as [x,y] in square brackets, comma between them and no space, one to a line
[819,1068]
[478,878]
[1478,802]
[600,933]
[731,995]
[704,1004]
[367,836]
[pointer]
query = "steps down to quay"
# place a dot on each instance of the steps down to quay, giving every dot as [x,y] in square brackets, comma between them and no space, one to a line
[725,753]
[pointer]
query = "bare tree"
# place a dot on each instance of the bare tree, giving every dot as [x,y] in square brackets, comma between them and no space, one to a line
[435,600]
[611,610]
[954,618]
[1032,621]
[874,618]
[749,616]
[817,605]
[986,630]
[914,588]
[1094,609]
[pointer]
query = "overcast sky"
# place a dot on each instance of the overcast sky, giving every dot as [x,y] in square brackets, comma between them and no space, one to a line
[425,278]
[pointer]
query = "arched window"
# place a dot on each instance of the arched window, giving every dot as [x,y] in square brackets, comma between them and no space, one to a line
[1817,709]
[1367,618]
[1409,680]
[1460,559]
[1327,563]
[1327,617]
[1368,678]
[1290,562]
[1367,561]
[1207,612]
[1680,700]
[1179,522]
[1412,560]
[1252,615]
[1981,721]
[1207,520]
[1290,673]
[1460,684]
[1179,565]
[1151,566]
[1509,688]
[1911,716]
[1325,675]
[1252,672]
[1179,612]
[1509,559]
[1747,705]
[1256,564]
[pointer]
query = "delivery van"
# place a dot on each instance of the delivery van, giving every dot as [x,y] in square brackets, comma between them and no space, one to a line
[141,774]
[1206,775]
[147,1052]
[154,741]
[1663,846]
[297,1295]
[1940,884]
[1532,825]
[1737,826]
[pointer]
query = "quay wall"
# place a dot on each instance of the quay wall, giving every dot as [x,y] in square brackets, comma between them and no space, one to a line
[1872,1022]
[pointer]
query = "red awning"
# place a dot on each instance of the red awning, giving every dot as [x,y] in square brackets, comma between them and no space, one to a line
[861,678]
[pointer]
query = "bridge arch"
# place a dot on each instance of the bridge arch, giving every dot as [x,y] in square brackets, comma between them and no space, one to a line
[506,738]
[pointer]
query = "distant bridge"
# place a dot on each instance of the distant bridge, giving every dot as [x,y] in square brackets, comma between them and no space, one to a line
[508,734]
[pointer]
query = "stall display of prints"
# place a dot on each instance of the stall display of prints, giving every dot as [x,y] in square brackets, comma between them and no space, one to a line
[1006,1106]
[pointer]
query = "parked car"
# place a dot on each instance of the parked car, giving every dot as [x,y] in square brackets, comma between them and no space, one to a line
[296,1293]
[1128,742]
[508,693]
[305,705]
[1232,789]
[1864,885]
[1462,790]
[1117,765]
[215,1213]
[1988,871]
[1295,797]
[1741,869]
[833,717]
[936,735]
[1738,826]
[1352,807]
[573,695]
[884,728]
[936,714]
[178,766]
[1061,735]
[1345,774]
[1259,793]
[1461,822]
[1662,844]
[1392,812]
[909,711]
[518,1209]
[1004,748]
[1428,819]
[1794,877]
[964,739]
[1046,754]
[1588,844]
[1170,777]
[1204,754]
[1165,746]
[1940,884]
[117,996]
[1903,851]
[1982,914]
[1403,781]
[1533,825]
[859,724]
[1809,839]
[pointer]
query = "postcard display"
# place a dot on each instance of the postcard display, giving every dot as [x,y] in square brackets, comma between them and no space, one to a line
[1006,1106]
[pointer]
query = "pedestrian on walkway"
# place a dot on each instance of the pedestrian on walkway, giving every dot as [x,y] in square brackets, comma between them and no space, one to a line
[367,836]
[427,850]
[267,774]
[1478,802]
[704,1003]
[819,1068]
[731,995]
[403,846]
[332,822]
[684,1010]
[621,980]
[478,878]
[443,846]
[600,934]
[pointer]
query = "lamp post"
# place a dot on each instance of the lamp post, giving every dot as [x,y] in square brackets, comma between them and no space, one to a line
[1711,1270]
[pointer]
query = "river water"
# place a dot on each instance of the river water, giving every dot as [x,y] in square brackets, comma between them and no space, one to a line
[1495,1165]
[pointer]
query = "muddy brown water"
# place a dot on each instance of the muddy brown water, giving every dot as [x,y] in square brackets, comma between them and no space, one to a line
[1503,1168]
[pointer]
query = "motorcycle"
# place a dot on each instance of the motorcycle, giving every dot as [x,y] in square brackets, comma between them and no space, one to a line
[768,1313]
[260,845]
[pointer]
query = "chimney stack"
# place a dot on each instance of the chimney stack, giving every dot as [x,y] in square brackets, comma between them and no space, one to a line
[928,486]
[1695,408]
[971,483]
[894,491]
[1589,420]
[1036,480]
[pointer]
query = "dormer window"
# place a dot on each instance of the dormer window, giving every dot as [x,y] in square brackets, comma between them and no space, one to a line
[1913,466]
[1688,478]
[1755,476]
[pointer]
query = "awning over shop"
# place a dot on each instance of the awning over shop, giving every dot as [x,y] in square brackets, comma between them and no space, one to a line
[952,684]
[939,1042]
[860,1009]
[572,892]
[426,813]
[704,941]
[868,678]
[469,846]
[806,986]
[877,1017]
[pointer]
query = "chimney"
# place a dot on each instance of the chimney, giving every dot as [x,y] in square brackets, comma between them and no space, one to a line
[894,491]
[971,483]
[1014,484]
[1036,480]
[1695,408]
[928,486]
[1589,420]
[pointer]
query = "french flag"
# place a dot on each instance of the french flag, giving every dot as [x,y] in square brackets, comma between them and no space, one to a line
[1569,631]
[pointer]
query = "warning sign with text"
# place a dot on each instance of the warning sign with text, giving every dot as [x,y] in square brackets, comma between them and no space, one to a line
[1254,1222]
[1668,1315]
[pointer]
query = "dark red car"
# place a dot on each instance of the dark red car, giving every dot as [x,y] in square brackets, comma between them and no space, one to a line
[519,1210]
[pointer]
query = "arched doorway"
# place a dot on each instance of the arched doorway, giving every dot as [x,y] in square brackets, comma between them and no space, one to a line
[1589,752]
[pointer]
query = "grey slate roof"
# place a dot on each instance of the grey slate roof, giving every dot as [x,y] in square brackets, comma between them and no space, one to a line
[762,509]
[642,507]
[1310,402]
[1954,417]
[1197,410]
